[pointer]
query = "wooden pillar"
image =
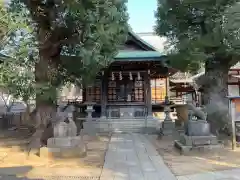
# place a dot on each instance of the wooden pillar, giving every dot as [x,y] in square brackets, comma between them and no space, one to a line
[104,85]
[238,84]
[167,87]
[148,97]
[84,94]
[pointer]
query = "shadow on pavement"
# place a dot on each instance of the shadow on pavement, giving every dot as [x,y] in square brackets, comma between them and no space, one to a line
[15,173]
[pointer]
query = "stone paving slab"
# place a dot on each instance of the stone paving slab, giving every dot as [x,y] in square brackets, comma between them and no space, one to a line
[133,157]
[233,174]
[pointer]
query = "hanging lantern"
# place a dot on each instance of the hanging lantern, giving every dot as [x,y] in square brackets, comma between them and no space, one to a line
[102,73]
[113,78]
[130,76]
[120,75]
[138,76]
[149,71]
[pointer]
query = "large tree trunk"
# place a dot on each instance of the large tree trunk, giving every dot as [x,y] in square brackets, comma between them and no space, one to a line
[27,114]
[45,74]
[215,95]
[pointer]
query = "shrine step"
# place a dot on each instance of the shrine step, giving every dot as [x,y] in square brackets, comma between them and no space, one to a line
[129,125]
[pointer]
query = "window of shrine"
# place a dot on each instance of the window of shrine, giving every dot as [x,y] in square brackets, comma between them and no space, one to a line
[126,89]
[93,93]
[158,90]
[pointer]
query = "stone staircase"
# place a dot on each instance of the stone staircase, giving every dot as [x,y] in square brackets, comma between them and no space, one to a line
[121,125]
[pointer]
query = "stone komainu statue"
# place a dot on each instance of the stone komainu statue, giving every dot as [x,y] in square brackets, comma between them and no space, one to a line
[197,112]
[65,127]
[198,126]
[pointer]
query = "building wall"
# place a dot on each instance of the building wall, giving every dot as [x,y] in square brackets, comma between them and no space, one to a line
[233,87]
[233,90]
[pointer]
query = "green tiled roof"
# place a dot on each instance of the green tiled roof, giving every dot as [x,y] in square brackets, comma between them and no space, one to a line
[139,56]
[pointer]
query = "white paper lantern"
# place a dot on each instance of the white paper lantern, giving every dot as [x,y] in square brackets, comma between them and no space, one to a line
[113,78]
[120,75]
[130,76]
[138,76]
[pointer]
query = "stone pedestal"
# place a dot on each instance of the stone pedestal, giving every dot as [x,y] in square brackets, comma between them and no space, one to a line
[202,143]
[197,136]
[199,140]
[65,147]
[89,128]
[168,125]
[151,125]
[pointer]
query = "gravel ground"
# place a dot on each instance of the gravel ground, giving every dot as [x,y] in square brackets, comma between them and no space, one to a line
[13,161]
[196,162]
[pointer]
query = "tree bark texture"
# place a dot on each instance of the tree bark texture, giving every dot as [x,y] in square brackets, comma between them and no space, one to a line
[215,89]
[46,94]
[27,115]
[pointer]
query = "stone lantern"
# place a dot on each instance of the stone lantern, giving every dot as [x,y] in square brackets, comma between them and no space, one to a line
[168,124]
[89,110]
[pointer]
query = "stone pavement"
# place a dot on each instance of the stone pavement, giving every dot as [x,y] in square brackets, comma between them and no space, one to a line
[233,174]
[133,157]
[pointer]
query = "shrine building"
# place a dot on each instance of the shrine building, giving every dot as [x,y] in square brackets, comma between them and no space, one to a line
[132,87]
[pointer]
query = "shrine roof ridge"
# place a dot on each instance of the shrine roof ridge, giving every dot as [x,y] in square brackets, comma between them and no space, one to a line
[139,56]
[143,43]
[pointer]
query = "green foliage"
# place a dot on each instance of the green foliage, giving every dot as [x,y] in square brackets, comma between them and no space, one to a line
[3,23]
[199,31]
[17,82]
[17,69]
[13,80]
[103,27]
[231,27]
[88,32]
